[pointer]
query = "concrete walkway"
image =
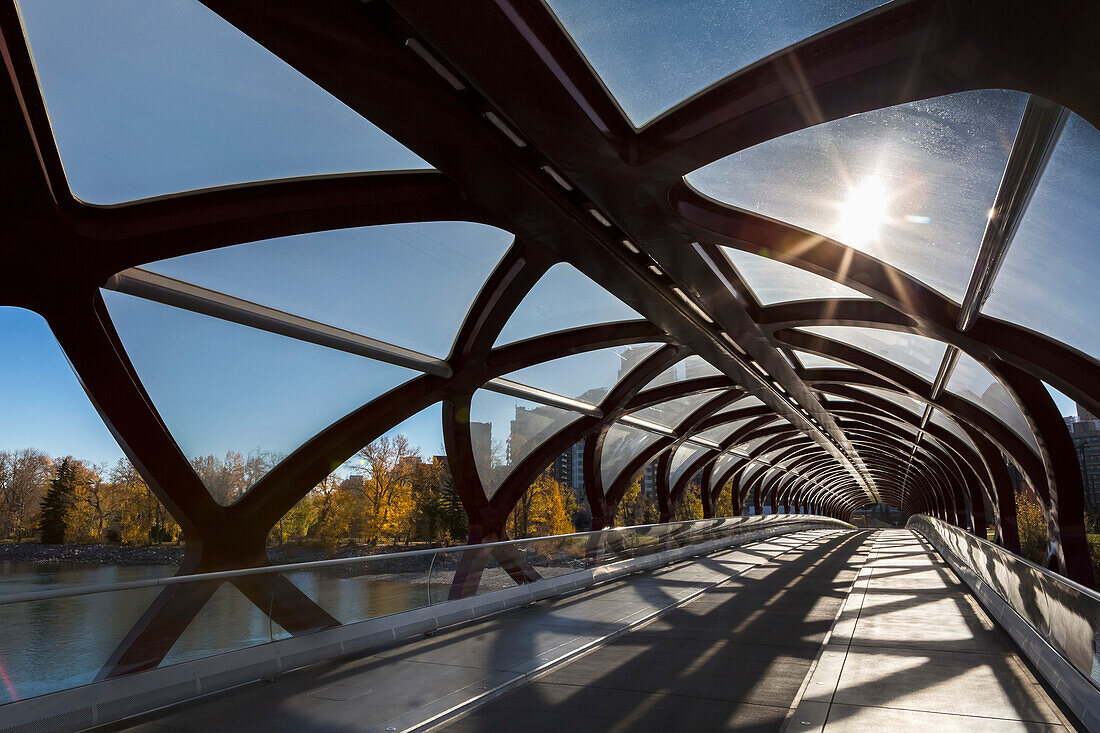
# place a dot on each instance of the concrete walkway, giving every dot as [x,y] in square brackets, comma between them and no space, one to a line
[913,651]
[415,685]
[734,658]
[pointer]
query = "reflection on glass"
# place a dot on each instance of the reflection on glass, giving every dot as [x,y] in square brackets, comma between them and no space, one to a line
[227,622]
[949,424]
[237,399]
[920,355]
[721,432]
[152,98]
[742,403]
[693,367]
[672,413]
[813,361]
[504,430]
[406,284]
[563,298]
[588,376]
[973,381]
[621,444]
[684,456]
[1048,280]
[909,184]
[723,464]
[912,405]
[653,54]
[777,282]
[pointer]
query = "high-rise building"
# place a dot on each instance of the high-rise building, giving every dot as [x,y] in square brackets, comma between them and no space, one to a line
[1085,432]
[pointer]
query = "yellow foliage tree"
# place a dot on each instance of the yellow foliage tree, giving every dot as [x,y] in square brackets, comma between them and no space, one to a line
[546,508]
[691,504]
[1032,527]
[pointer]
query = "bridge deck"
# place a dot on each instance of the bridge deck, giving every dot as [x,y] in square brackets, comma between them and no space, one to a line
[730,641]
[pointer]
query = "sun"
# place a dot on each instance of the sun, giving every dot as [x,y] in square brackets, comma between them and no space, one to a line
[863,213]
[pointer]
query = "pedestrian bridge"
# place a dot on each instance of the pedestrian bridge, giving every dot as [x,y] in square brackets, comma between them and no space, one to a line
[765,623]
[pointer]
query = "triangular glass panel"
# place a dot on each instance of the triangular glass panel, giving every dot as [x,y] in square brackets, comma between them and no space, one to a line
[563,298]
[653,55]
[1048,280]
[504,431]
[919,355]
[153,98]
[914,406]
[973,382]
[370,281]
[682,459]
[238,399]
[45,408]
[588,376]
[692,367]
[773,282]
[621,444]
[813,361]
[909,184]
[672,413]
[948,423]
[724,463]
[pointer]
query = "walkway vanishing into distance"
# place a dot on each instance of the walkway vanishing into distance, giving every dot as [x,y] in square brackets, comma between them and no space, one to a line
[819,630]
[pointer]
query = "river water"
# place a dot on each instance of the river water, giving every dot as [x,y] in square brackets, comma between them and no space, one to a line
[60,643]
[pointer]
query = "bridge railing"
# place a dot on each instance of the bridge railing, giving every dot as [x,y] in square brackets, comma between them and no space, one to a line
[61,636]
[1055,621]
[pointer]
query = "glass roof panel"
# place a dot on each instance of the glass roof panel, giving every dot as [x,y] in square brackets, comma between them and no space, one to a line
[202,103]
[723,464]
[1048,280]
[973,381]
[588,376]
[682,459]
[235,395]
[909,184]
[742,403]
[672,413]
[693,367]
[948,423]
[920,355]
[563,298]
[504,430]
[45,408]
[813,361]
[621,444]
[914,406]
[751,445]
[777,282]
[373,281]
[652,55]
[721,432]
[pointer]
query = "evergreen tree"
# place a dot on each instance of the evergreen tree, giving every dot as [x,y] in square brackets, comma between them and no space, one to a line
[55,505]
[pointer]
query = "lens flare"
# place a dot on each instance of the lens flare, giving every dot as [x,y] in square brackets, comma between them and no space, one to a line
[863,213]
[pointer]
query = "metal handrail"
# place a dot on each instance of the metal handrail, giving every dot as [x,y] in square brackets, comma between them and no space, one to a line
[92,588]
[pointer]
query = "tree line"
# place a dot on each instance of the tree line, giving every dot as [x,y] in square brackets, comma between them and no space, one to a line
[387,495]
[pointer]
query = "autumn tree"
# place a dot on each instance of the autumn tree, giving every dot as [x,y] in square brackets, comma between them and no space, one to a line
[636,507]
[690,505]
[1032,528]
[386,467]
[546,508]
[724,506]
[93,503]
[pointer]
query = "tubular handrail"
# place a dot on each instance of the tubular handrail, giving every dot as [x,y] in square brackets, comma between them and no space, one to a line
[92,588]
